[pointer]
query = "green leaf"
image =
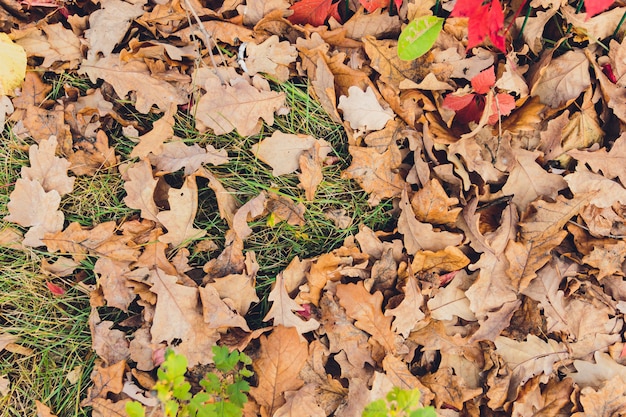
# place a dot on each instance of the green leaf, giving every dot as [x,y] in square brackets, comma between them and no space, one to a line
[135,409]
[376,408]
[419,36]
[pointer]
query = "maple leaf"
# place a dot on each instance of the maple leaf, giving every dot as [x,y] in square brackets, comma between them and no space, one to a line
[486,20]
[314,12]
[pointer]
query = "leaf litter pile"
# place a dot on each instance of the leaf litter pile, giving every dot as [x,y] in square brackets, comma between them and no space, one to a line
[497,285]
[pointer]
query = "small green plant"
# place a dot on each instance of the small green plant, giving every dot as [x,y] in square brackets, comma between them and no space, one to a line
[399,403]
[223,394]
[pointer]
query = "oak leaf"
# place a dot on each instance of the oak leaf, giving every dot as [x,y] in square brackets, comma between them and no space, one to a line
[400,376]
[178,320]
[134,76]
[109,24]
[217,313]
[363,111]
[140,187]
[449,389]
[603,191]
[376,173]
[612,164]
[109,344]
[365,309]
[281,357]
[238,290]
[91,156]
[114,283]
[59,47]
[31,206]
[282,208]
[271,57]
[240,107]
[528,180]
[178,220]
[152,141]
[284,307]
[282,151]
[177,155]
[563,79]
[420,236]
[451,258]
[408,313]
[310,171]
[608,259]
[48,169]
[608,400]
[431,204]
[252,209]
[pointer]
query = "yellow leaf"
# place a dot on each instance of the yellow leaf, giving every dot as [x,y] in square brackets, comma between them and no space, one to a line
[13,68]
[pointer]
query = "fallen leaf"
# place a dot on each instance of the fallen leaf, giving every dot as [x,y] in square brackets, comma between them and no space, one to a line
[59,47]
[14,68]
[281,357]
[311,174]
[92,156]
[271,57]
[178,320]
[109,24]
[177,155]
[140,188]
[153,141]
[109,344]
[282,151]
[282,208]
[48,169]
[178,220]
[217,313]
[283,310]
[563,79]
[363,111]
[31,206]
[408,313]
[240,107]
[314,12]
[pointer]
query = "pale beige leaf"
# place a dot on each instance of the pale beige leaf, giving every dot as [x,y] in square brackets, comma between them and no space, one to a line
[564,79]
[140,188]
[528,181]
[178,318]
[134,76]
[114,284]
[310,171]
[281,357]
[109,344]
[253,208]
[271,57]
[284,307]
[421,236]
[180,217]
[177,155]
[31,206]
[363,111]
[240,106]
[152,141]
[48,169]
[612,164]
[282,151]
[604,192]
[254,11]
[238,290]
[408,312]
[217,314]
[109,24]
[372,24]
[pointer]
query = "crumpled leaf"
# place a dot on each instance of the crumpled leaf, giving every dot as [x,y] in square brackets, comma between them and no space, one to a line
[178,220]
[109,24]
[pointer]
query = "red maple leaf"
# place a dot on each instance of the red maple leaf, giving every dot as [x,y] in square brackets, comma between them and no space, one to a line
[593,7]
[314,12]
[486,20]
[371,5]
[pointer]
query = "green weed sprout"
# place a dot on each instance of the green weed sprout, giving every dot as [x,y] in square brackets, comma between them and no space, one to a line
[399,403]
[223,394]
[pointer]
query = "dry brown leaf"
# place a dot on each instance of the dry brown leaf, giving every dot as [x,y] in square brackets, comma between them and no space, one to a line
[281,357]
[612,164]
[282,208]
[420,236]
[365,309]
[608,259]
[310,171]
[271,57]
[114,283]
[152,142]
[282,151]
[134,76]
[59,47]
[431,204]
[177,155]
[106,379]
[41,124]
[376,24]
[408,313]
[604,192]
[43,410]
[217,313]
[528,180]
[178,318]
[241,106]
[563,79]
[178,220]
[284,309]
[238,290]
[109,24]
[48,169]
[92,156]
[400,376]
[230,261]
[385,60]
[111,345]
[253,209]
[376,173]
[140,188]
[363,111]
[446,260]
[31,206]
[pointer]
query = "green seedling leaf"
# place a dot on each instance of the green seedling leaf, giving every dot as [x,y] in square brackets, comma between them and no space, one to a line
[135,409]
[419,36]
